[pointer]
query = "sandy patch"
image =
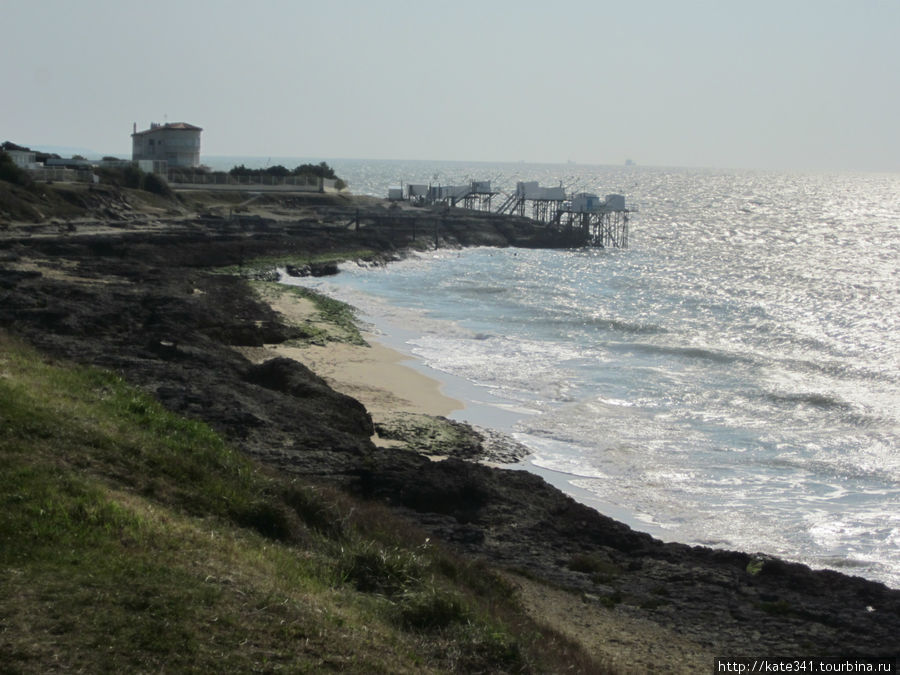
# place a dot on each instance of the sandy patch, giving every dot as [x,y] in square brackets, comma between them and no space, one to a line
[58,270]
[374,375]
[294,308]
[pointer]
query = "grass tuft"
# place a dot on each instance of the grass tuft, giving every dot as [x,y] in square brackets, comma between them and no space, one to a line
[431,608]
[373,568]
[598,565]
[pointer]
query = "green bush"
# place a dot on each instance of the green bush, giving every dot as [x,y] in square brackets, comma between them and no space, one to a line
[600,567]
[320,170]
[132,177]
[156,184]
[372,568]
[431,609]
[135,178]
[316,512]
[11,173]
[267,518]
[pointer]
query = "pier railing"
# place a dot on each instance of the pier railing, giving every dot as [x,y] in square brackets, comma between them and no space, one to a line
[601,222]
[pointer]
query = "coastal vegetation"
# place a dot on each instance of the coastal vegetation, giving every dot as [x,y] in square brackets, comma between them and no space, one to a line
[320,170]
[11,173]
[332,320]
[311,172]
[132,539]
[132,176]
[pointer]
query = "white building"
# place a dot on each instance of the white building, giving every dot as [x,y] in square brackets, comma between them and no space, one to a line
[532,190]
[585,202]
[23,158]
[177,143]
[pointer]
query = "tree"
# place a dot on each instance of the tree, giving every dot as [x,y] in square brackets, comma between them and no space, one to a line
[241,170]
[157,185]
[11,173]
[277,170]
[320,170]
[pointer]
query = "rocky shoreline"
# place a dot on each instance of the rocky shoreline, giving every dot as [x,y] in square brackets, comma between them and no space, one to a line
[143,298]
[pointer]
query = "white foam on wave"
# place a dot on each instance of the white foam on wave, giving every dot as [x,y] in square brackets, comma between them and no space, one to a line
[721,391]
[523,370]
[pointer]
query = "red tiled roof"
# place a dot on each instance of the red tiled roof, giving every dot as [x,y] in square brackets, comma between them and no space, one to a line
[184,126]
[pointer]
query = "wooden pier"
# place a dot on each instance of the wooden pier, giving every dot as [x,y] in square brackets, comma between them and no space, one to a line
[476,195]
[600,222]
[602,229]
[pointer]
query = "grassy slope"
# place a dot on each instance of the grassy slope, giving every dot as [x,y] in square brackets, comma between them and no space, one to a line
[132,540]
[63,201]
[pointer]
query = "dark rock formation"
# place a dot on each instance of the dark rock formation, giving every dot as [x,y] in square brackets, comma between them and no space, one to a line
[289,377]
[145,306]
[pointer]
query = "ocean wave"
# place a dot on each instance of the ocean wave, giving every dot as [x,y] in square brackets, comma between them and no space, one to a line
[880,475]
[843,563]
[482,290]
[702,353]
[611,325]
[621,326]
[814,399]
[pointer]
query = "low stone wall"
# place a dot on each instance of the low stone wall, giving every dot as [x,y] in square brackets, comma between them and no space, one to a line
[220,181]
[63,175]
[245,187]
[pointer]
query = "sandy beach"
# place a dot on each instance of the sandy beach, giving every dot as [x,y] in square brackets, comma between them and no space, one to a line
[374,374]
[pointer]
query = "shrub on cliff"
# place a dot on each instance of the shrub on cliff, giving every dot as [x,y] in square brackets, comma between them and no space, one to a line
[157,185]
[12,173]
[320,170]
[134,177]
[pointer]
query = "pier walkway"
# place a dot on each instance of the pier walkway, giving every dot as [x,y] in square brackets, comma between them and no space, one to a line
[602,222]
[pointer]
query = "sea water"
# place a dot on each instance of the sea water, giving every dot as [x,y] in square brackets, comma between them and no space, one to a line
[730,379]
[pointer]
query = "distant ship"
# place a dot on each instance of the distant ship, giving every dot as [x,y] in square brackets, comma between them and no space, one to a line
[629,162]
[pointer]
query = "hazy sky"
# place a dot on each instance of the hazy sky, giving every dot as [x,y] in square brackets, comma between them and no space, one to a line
[806,84]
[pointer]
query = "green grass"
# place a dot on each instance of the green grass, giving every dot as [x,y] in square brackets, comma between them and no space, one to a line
[133,540]
[598,565]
